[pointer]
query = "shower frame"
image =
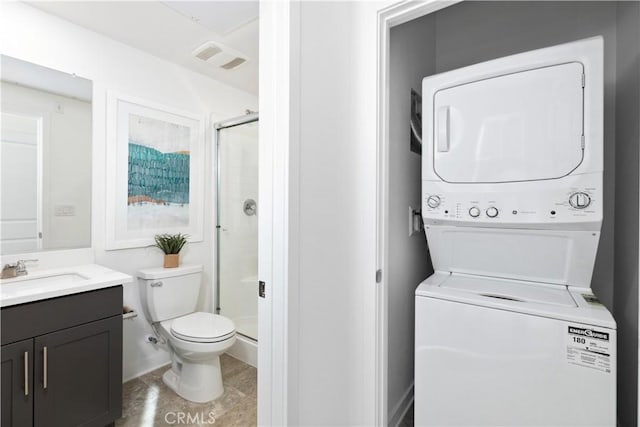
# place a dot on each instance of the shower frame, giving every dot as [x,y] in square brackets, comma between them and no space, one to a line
[250,117]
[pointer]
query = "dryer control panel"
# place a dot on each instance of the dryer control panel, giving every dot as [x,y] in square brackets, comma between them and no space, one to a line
[578,202]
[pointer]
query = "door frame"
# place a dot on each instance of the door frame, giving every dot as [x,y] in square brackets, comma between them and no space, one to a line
[389,17]
[278,231]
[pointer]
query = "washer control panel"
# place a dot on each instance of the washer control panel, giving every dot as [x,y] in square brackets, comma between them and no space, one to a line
[540,203]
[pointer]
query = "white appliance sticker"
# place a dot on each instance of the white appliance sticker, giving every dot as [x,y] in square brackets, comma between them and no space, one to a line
[589,348]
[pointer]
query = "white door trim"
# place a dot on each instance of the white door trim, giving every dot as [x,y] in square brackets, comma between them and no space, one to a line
[388,17]
[278,218]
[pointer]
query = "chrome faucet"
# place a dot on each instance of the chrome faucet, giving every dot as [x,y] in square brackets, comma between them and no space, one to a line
[21,268]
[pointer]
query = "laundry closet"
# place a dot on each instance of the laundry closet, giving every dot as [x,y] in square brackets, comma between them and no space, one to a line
[468,33]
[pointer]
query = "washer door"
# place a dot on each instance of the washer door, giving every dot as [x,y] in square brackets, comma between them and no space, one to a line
[523,126]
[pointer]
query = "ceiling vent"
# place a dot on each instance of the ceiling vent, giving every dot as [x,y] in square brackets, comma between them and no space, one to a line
[220,55]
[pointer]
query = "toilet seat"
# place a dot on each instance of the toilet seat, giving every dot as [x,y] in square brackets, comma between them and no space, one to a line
[203,327]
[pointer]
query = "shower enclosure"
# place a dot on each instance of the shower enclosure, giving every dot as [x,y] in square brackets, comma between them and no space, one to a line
[237,223]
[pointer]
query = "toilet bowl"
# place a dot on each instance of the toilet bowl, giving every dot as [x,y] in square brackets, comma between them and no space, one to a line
[195,339]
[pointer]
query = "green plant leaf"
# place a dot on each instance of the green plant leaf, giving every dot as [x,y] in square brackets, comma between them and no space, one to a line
[170,243]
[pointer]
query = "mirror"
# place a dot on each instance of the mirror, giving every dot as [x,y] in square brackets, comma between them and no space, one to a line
[45,155]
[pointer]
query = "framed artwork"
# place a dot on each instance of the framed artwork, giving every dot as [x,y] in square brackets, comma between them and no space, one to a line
[155,172]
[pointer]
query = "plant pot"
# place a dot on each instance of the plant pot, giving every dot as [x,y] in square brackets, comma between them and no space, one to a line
[171,260]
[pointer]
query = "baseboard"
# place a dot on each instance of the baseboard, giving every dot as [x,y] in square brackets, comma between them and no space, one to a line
[245,349]
[401,408]
[145,366]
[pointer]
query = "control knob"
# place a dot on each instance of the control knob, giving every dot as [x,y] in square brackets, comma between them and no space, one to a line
[433,201]
[579,200]
[474,212]
[492,212]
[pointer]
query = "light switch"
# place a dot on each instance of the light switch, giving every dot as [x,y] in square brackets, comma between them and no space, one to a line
[65,210]
[415,221]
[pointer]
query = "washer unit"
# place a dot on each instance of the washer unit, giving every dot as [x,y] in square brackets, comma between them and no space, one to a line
[508,332]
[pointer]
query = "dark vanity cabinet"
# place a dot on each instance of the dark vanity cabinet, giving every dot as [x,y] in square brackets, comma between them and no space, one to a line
[62,361]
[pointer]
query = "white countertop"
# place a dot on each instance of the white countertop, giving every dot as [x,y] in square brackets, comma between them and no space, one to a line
[57,282]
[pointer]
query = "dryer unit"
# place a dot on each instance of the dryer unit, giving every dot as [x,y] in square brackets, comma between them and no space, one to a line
[508,331]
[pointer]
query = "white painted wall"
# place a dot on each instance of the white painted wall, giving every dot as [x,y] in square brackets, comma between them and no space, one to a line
[34,36]
[323,159]
[66,164]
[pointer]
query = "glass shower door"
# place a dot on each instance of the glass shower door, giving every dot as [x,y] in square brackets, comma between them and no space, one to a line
[238,212]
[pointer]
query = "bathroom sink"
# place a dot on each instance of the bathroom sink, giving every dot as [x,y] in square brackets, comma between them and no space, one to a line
[34,283]
[57,282]
[43,279]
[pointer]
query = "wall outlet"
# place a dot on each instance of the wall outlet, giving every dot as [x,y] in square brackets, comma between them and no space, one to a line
[65,210]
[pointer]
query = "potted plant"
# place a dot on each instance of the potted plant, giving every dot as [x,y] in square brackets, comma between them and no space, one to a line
[171,244]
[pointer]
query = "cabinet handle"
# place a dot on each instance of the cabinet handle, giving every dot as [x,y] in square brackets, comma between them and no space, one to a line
[26,373]
[44,368]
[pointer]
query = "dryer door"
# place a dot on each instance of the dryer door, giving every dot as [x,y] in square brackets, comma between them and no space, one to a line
[523,126]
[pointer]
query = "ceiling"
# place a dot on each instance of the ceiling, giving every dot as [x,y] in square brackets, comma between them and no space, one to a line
[172,30]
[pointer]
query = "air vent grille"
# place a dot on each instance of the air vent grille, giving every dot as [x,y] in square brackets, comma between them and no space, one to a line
[208,52]
[233,63]
[219,55]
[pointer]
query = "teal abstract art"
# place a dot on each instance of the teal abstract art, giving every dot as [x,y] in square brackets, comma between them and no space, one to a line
[158,190]
[156,177]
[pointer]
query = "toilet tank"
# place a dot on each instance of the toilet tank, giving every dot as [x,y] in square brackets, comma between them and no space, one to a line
[168,293]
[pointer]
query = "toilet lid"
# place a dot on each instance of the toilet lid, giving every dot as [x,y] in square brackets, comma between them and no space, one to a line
[203,327]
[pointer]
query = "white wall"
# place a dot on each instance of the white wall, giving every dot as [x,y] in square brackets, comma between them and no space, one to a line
[326,200]
[333,222]
[34,36]
[66,174]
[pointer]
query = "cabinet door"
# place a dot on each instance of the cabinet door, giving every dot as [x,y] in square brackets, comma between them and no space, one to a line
[78,375]
[17,384]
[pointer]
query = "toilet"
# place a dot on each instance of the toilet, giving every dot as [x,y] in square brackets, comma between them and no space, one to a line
[195,339]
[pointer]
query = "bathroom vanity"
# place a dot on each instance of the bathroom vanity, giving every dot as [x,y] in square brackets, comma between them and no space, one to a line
[62,353]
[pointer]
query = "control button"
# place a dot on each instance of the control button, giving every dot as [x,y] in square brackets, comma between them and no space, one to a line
[474,212]
[579,200]
[433,201]
[492,212]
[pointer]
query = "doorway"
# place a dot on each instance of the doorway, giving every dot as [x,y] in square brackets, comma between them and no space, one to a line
[495,29]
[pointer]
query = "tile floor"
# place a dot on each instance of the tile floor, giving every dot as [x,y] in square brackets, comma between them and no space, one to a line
[148,402]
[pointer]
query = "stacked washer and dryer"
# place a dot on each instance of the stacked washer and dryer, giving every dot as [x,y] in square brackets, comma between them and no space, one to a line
[508,331]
